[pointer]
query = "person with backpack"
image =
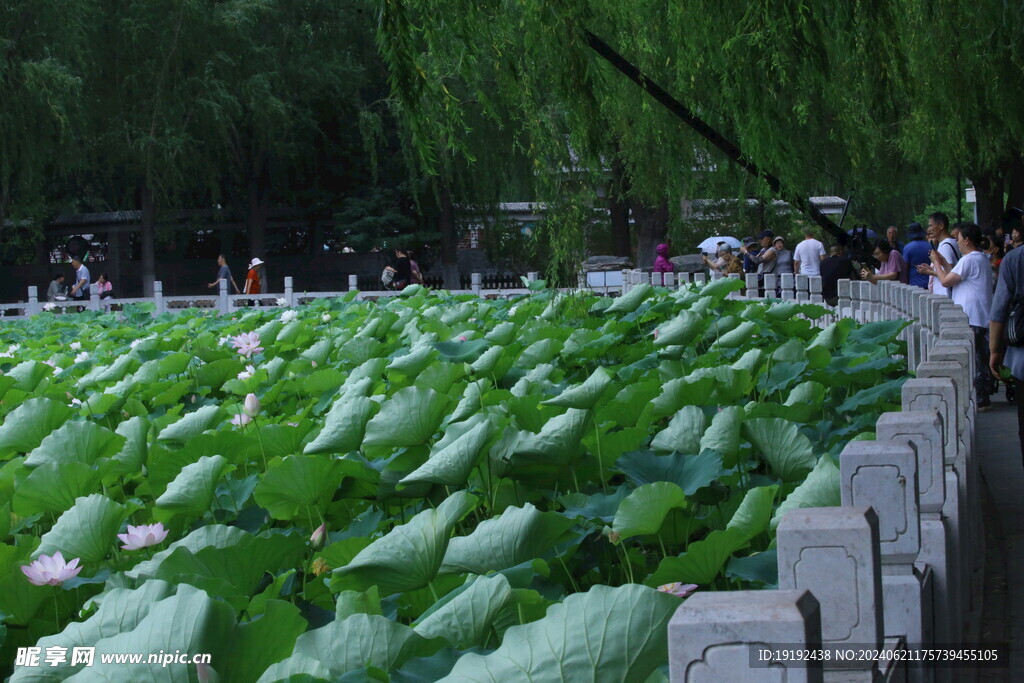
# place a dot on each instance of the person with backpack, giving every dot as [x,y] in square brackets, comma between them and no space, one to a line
[943,244]
[1006,330]
[970,285]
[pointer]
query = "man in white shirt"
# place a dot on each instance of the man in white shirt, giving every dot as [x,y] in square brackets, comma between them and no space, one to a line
[943,242]
[808,255]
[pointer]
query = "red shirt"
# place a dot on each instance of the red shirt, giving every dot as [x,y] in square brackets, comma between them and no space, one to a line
[254,288]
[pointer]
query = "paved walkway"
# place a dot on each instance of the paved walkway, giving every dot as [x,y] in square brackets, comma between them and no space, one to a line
[1002,618]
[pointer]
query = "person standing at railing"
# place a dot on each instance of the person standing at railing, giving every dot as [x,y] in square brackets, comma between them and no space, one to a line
[838,266]
[944,244]
[401,272]
[415,276]
[224,273]
[892,267]
[808,255]
[970,283]
[661,262]
[783,256]
[916,253]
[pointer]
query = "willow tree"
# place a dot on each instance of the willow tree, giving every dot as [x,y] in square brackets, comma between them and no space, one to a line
[823,100]
[281,72]
[40,81]
[145,81]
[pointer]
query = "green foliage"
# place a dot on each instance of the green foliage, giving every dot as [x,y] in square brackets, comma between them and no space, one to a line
[417,504]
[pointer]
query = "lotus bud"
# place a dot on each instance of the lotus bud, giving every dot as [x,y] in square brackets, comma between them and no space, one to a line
[252,405]
[317,539]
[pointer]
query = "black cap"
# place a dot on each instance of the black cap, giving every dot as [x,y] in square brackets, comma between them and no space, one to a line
[765,233]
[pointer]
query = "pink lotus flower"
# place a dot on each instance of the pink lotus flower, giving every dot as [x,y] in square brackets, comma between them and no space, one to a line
[143,536]
[655,334]
[247,344]
[680,590]
[462,339]
[252,405]
[319,535]
[51,570]
[313,362]
[241,420]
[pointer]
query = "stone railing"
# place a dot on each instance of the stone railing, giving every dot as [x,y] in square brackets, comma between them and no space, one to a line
[893,565]
[224,303]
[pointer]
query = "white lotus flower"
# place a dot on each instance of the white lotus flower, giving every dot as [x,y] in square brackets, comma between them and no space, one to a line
[247,373]
[282,301]
[74,402]
[50,363]
[136,342]
[49,306]
[6,354]
[252,405]
[512,311]
[83,356]
[289,316]
[223,340]
[76,346]
[326,317]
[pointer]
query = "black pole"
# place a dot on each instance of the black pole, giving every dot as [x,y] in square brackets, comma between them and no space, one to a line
[959,199]
[846,207]
[708,133]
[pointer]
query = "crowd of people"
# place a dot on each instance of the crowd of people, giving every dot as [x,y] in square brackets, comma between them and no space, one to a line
[981,270]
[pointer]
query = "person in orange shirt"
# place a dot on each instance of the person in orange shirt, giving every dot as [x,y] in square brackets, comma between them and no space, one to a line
[254,278]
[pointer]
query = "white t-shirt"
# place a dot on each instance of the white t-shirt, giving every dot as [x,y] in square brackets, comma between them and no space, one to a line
[974,293]
[951,253]
[809,254]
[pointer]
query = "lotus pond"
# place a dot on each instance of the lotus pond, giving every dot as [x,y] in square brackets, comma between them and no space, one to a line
[416,488]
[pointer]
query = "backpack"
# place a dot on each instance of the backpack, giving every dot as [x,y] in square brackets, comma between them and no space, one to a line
[1015,323]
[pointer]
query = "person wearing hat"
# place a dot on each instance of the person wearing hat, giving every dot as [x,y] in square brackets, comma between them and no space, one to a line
[764,259]
[661,262]
[254,278]
[783,256]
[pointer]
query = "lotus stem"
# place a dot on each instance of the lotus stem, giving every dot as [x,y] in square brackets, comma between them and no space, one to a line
[600,462]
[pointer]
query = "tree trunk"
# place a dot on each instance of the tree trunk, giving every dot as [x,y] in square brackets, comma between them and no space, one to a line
[618,209]
[147,224]
[449,238]
[988,189]
[651,229]
[1015,184]
[259,207]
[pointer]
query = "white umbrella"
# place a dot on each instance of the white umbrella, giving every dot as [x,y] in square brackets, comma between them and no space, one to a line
[710,245]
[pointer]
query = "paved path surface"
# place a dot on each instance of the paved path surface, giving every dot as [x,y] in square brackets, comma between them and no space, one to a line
[1002,618]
